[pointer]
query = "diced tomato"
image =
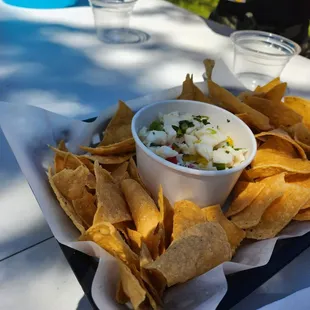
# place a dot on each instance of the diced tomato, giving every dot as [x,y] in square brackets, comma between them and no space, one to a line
[172,160]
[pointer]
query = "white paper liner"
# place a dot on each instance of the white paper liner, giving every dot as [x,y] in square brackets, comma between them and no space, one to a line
[29,130]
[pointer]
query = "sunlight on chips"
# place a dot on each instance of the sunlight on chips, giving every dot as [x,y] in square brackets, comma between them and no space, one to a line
[275,187]
[280,213]
[71,183]
[120,173]
[186,215]
[109,159]
[234,105]
[125,146]
[234,234]
[65,204]
[280,133]
[301,135]
[112,206]
[132,287]
[85,208]
[143,210]
[303,215]
[243,195]
[191,92]
[119,128]
[268,86]
[208,247]
[277,112]
[300,106]
[276,93]
[106,236]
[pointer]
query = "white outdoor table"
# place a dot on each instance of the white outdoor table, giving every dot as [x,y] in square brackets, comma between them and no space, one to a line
[52,59]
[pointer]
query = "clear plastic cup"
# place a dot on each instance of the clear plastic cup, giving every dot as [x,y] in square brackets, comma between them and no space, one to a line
[260,56]
[112,21]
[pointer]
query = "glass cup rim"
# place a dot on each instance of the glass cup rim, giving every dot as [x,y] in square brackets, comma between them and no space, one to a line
[115,2]
[294,47]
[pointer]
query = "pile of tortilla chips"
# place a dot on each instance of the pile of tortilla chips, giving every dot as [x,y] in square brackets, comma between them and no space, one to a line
[103,195]
[275,189]
[157,245]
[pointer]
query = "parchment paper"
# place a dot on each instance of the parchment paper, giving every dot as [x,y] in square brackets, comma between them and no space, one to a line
[29,130]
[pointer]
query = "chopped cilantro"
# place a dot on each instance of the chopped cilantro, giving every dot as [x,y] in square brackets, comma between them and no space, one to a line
[176,147]
[201,119]
[178,131]
[227,152]
[183,126]
[156,125]
[219,166]
[228,120]
[211,131]
[154,144]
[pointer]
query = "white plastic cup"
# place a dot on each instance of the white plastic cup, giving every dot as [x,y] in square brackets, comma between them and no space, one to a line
[200,186]
[260,56]
[112,20]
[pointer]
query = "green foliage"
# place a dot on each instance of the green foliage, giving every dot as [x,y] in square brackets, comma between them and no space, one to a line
[200,7]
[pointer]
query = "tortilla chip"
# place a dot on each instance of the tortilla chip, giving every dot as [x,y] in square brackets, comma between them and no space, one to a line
[278,155]
[186,215]
[85,208]
[125,146]
[65,204]
[264,171]
[234,105]
[280,133]
[245,176]
[244,194]
[89,164]
[166,217]
[209,66]
[109,159]
[205,244]
[301,180]
[119,128]
[234,234]
[275,187]
[300,106]
[107,237]
[120,295]
[278,113]
[71,183]
[65,160]
[120,173]
[132,287]
[134,174]
[59,160]
[112,206]
[301,135]
[276,93]
[146,258]
[122,229]
[190,91]
[245,118]
[268,86]
[280,213]
[302,215]
[135,240]
[143,210]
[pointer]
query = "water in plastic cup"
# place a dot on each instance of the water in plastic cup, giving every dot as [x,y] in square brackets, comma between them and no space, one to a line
[112,21]
[260,56]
